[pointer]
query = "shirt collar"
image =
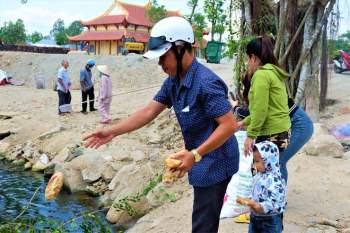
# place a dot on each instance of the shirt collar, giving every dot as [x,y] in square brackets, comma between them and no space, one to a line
[187,81]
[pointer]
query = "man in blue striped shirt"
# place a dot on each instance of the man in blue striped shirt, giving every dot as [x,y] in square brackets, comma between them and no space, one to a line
[200,101]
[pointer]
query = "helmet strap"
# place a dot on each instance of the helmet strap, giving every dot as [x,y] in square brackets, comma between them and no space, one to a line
[179,57]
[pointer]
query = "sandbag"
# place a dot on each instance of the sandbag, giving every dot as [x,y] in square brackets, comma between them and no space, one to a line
[54,186]
[240,184]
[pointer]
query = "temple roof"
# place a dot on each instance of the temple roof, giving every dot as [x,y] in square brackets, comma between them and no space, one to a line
[133,14]
[116,35]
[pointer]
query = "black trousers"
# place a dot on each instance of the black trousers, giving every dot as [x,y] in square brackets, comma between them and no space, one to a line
[207,206]
[63,98]
[84,95]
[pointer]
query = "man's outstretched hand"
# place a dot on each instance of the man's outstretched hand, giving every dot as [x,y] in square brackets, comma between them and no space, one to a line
[98,138]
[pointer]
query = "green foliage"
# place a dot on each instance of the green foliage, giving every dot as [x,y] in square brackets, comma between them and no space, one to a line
[193,5]
[124,204]
[13,33]
[156,12]
[220,27]
[35,37]
[90,223]
[342,43]
[59,32]
[214,11]
[199,25]
[75,28]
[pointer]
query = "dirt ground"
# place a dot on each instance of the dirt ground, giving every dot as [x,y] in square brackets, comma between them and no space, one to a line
[318,186]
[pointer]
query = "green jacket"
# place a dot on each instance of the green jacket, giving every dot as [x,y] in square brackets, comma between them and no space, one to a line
[268,102]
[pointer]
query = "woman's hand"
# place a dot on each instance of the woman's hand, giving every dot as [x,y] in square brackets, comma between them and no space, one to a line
[240,125]
[98,138]
[248,146]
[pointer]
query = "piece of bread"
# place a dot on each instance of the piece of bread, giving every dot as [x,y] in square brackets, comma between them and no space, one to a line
[169,176]
[172,163]
[242,201]
[54,186]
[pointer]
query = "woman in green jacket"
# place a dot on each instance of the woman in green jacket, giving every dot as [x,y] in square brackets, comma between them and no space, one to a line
[268,98]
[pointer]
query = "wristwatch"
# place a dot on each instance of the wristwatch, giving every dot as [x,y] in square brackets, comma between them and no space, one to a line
[197,156]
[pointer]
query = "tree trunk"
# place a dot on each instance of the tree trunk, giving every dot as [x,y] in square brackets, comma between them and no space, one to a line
[312,98]
[324,69]
[192,12]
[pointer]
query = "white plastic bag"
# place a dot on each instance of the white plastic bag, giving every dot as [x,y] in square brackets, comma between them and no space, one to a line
[240,184]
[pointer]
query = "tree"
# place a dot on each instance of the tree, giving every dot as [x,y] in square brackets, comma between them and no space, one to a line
[220,27]
[193,5]
[199,25]
[59,32]
[35,37]
[13,33]
[297,28]
[213,10]
[156,12]
[75,28]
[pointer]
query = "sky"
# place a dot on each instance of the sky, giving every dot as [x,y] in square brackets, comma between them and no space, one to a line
[40,15]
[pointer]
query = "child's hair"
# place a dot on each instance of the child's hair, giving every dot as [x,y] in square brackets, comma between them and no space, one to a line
[262,47]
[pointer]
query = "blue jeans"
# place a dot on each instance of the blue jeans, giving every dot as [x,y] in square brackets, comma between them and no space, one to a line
[302,129]
[265,224]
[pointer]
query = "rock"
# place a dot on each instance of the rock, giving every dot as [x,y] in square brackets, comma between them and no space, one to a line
[50,133]
[131,179]
[4,147]
[87,160]
[19,162]
[73,180]
[161,194]
[122,157]
[41,164]
[324,145]
[68,153]
[90,174]
[138,155]
[108,174]
[97,189]
[347,155]
[123,217]
[44,159]
[123,173]
[313,230]
[49,170]
[28,165]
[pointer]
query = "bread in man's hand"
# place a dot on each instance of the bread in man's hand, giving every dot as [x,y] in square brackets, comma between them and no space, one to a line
[172,163]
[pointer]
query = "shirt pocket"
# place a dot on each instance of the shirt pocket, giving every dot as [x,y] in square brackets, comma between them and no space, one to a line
[192,119]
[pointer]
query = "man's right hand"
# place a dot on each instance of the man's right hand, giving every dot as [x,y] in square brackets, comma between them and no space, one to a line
[98,138]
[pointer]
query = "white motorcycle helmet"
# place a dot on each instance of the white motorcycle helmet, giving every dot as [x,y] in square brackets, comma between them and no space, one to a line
[167,33]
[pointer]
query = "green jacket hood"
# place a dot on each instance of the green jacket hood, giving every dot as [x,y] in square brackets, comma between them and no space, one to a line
[281,74]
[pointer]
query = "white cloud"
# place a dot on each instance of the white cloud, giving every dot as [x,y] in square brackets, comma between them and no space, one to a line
[37,18]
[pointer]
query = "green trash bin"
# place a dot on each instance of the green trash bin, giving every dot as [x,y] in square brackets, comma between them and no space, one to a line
[213,51]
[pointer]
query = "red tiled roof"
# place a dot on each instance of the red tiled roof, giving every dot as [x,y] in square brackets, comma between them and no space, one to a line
[139,37]
[108,19]
[136,15]
[86,36]
[89,36]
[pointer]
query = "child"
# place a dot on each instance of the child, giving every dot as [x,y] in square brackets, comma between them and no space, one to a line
[269,190]
[105,94]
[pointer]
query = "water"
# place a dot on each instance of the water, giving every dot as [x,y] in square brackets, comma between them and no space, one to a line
[18,186]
